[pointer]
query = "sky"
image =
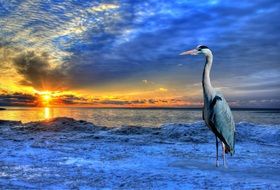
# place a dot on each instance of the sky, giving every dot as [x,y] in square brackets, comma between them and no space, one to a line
[124,53]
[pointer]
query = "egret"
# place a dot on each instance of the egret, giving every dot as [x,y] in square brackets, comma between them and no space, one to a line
[216,111]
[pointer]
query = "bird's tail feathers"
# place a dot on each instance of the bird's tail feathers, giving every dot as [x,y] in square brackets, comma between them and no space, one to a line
[230,150]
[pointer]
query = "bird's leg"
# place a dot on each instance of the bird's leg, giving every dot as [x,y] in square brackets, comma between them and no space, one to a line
[217,148]
[224,155]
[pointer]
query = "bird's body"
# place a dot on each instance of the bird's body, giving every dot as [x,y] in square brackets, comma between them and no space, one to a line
[216,111]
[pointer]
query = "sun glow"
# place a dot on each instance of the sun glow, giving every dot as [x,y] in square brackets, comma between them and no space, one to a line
[45,98]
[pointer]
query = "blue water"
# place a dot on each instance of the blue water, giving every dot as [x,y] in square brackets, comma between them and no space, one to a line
[140,117]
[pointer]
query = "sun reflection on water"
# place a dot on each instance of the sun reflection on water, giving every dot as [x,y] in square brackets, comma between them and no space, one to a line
[47,114]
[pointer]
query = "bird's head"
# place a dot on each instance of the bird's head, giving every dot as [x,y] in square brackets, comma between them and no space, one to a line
[200,49]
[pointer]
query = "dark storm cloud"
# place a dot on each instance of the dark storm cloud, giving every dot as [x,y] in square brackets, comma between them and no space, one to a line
[37,71]
[17,99]
[72,99]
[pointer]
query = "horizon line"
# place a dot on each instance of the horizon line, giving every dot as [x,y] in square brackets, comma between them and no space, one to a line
[127,107]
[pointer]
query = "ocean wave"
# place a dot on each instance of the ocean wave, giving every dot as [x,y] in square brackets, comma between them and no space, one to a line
[198,132]
[258,132]
[195,132]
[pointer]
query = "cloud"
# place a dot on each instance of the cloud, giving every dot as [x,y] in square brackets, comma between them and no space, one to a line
[145,81]
[18,99]
[163,89]
[148,82]
[97,43]
[104,7]
[38,72]
[70,99]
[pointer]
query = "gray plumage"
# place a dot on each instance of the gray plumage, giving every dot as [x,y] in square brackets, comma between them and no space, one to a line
[216,111]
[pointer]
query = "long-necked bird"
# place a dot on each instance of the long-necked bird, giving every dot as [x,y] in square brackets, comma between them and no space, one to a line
[216,111]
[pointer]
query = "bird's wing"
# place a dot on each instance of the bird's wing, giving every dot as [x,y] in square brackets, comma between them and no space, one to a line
[223,122]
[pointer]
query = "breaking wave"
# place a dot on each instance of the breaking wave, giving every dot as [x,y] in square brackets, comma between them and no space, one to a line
[195,132]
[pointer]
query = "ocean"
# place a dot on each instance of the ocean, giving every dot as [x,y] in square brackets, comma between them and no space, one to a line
[133,117]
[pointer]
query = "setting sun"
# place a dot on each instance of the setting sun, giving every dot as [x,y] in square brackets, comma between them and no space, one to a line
[46,98]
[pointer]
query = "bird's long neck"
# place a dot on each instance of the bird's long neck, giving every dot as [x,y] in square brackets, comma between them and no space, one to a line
[206,83]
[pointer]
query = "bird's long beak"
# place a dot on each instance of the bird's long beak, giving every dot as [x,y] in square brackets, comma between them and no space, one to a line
[190,52]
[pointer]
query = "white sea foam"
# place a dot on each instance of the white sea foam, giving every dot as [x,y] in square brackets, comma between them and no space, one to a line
[66,153]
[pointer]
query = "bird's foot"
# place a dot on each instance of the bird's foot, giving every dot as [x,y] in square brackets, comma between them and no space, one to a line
[217,164]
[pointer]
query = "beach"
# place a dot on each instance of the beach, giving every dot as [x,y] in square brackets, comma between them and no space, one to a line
[101,95]
[64,153]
